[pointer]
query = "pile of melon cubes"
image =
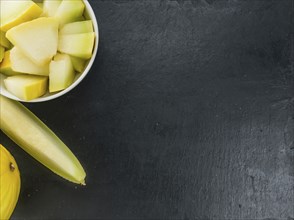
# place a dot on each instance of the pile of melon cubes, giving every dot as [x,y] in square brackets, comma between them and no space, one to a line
[43,45]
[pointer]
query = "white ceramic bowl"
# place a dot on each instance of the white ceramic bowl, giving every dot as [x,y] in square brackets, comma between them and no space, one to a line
[89,14]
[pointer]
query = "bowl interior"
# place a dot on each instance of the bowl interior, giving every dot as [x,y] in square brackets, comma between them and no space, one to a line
[89,14]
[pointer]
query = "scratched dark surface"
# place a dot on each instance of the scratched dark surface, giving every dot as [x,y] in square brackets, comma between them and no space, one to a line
[188,113]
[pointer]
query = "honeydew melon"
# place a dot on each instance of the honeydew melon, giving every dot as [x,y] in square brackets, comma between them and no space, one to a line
[2,50]
[61,73]
[21,63]
[5,66]
[78,63]
[3,40]
[77,27]
[15,12]
[78,45]
[69,11]
[26,87]
[37,39]
[50,7]
[33,136]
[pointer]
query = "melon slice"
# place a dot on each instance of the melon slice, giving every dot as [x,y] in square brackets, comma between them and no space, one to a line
[69,11]
[61,73]
[26,87]
[50,7]
[78,45]
[21,63]
[37,39]
[78,63]
[5,66]
[77,27]
[3,40]
[2,50]
[15,12]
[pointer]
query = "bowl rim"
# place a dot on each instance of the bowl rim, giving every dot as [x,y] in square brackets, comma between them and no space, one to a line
[92,16]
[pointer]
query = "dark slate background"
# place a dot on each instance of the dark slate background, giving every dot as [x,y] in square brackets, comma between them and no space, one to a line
[187,113]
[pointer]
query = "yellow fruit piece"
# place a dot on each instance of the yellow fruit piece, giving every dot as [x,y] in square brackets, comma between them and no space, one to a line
[9,183]
[26,87]
[3,40]
[2,50]
[5,66]
[61,73]
[37,39]
[15,12]
[32,135]
[21,63]
[69,11]
[77,45]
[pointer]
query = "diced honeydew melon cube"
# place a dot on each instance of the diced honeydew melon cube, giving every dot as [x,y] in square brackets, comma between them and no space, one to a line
[50,7]
[61,73]
[5,66]
[26,87]
[21,63]
[78,45]
[77,27]
[37,39]
[15,12]
[68,11]
[4,41]
[2,50]
[78,63]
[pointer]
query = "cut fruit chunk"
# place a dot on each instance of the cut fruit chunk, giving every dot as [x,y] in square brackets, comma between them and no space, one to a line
[15,12]
[78,45]
[37,39]
[26,87]
[61,73]
[50,7]
[3,40]
[68,11]
[5,66]
[78,63]
[2,50]
[78,27]
[21,63]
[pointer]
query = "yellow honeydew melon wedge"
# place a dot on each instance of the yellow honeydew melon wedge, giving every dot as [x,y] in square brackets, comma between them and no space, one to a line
[15,12]
[50,7]
[21,63]
[69,10]
[77,27]
[5,66]
[61,73]
[33,136]
[78,45]
[26,87]
[2,50]
[3,40]
[78,63]
[37,39]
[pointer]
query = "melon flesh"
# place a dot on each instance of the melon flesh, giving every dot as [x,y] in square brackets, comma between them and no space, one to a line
[26,87]
[61,73]
[5,66]
[21,63]
[50,7]
[3,40]
[15,12]
[2,50]
[37,39]
[77,27]
[78,63]
[78,45]
[69,11]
